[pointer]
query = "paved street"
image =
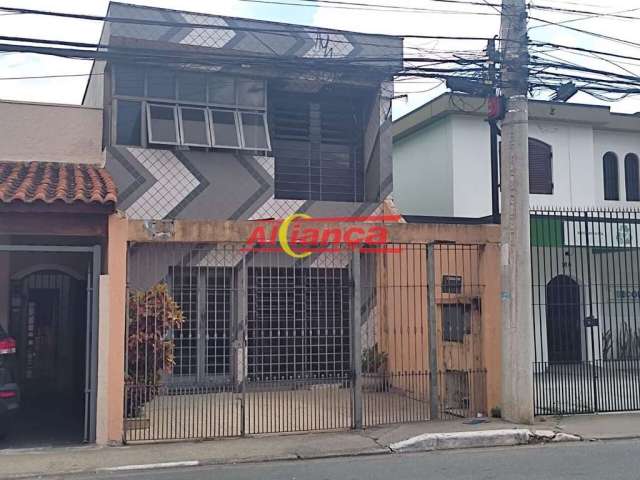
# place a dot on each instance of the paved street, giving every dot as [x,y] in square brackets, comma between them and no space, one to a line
[593,460]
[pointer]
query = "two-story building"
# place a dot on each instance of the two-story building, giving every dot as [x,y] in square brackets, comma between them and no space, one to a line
[198,139]
[579,156]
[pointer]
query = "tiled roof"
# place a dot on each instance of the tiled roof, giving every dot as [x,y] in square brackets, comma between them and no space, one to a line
[30,182]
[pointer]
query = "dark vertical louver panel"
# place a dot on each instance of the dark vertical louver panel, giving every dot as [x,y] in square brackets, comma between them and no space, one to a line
[298,323]
[317,144]
[610,176]
[632,177]
[540,168]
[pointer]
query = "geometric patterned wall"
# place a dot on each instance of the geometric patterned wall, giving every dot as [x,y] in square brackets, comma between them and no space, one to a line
[172,184]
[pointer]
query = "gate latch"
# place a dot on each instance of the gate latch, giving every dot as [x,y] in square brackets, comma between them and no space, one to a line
[591,322]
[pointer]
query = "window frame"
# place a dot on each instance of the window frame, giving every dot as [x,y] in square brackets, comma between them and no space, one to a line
[206,123]
[237,109]
[265,122]
[536,141]
[114,123]
[463,323]
[635,195]
[613,156]
[213,131]
[150,139]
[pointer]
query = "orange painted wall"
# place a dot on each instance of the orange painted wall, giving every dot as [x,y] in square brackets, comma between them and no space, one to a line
[117,271]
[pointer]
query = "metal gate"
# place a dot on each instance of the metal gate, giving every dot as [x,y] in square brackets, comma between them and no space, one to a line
[226,342]
[586,310]
[49,291]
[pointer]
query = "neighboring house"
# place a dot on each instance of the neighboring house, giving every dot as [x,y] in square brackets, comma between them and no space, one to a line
[59,251]
[579,156]
[584,184]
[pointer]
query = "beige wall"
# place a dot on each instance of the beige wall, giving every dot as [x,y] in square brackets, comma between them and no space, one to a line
[111,373]
[50,133]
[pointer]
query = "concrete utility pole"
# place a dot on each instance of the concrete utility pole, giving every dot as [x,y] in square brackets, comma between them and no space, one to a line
[517,324]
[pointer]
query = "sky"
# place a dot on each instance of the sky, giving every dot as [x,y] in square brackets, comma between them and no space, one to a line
[441,19]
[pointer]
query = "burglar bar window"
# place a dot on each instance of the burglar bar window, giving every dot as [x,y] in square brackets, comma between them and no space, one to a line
[456,322]
[632,177]
[204,110]
[610,176]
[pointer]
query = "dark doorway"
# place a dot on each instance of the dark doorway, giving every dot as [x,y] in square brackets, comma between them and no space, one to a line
[564,339]
[48,320]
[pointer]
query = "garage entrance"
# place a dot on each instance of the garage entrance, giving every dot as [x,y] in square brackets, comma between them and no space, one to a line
[53,319]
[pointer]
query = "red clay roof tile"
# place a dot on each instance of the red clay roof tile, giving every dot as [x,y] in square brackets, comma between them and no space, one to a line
[31,182]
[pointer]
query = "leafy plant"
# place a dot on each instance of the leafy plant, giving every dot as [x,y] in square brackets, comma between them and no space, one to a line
[152,316]
[373,360]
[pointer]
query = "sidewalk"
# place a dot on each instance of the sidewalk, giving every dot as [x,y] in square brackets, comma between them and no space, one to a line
[56,461]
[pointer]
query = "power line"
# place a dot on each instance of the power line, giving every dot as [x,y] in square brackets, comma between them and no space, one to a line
[43,77]
[272,31]
[375,7]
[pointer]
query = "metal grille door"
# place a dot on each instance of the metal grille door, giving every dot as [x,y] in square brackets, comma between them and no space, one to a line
[586,310]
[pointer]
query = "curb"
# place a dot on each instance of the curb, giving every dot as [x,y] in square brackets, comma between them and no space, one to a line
[420,443]
[484,438]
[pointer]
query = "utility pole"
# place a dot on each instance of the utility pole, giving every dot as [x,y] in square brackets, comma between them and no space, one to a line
[517,324]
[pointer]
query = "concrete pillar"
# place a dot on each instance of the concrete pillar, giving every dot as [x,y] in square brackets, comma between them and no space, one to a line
[491,321]
[102,401]
[111,366]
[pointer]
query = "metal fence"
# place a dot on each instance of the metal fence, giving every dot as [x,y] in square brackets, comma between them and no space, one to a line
[586,294]
[225,342]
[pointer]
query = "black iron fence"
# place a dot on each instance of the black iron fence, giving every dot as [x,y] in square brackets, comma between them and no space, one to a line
[226,342]
[586,310]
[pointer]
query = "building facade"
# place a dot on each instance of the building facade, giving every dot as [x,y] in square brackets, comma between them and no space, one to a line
[580,156]
[584,186]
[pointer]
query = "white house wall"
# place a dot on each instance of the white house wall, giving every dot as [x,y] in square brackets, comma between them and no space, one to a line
[471,167]
[423,171]
[426,185]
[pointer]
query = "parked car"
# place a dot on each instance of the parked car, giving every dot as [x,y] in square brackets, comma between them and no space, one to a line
[9,392]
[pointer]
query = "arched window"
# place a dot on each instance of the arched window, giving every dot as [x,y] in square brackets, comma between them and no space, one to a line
[632,177]
[610,176]
[540,170]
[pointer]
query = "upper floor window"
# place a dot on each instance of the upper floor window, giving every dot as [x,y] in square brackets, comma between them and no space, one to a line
[632,177]
[610,176]
[161,107]
[540,167]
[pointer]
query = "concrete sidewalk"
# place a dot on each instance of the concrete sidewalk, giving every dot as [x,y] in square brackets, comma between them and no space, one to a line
[57,461]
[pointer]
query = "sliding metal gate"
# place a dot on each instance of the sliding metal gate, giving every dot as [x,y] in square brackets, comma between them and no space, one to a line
[224,342]
[586,310]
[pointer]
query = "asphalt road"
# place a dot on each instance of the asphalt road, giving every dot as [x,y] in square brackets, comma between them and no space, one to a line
[594,460]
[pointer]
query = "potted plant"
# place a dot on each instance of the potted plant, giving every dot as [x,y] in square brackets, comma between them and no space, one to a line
[152,317]
[374,369]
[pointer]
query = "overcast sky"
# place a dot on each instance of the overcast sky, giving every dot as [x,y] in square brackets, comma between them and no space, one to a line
[477,21]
